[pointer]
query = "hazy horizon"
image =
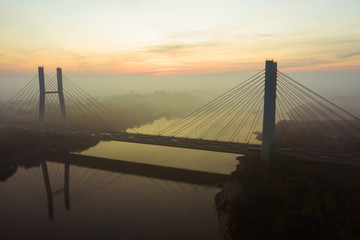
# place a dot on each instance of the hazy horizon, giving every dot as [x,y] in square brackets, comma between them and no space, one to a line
[339,87]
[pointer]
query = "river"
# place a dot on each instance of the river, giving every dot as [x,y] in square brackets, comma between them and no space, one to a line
[106,204]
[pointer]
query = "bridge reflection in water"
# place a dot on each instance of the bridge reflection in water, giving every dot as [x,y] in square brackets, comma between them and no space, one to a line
[76,176]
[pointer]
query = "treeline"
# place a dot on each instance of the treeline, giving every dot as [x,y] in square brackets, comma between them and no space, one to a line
[112,113]
[319,136]
[14,141]
[20,147]
[288,199]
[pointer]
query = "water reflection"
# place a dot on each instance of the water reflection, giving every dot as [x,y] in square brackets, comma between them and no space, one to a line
[107,199]
[207,161]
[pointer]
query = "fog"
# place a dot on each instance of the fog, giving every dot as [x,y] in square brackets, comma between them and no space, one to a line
[135,110]
[141,98]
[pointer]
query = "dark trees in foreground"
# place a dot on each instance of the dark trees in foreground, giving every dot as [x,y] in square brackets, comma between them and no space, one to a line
[288,199]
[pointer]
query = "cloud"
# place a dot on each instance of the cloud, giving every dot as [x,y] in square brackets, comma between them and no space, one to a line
[167,48]
[179,48]
[55,10]
[350,54]
[305,63]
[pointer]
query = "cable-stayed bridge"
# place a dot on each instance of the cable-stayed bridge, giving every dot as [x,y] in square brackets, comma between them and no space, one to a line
[269,110]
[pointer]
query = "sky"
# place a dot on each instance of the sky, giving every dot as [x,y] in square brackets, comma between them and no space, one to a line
[178,37]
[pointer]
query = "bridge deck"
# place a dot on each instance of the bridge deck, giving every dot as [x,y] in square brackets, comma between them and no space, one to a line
[191,143]
[200,144]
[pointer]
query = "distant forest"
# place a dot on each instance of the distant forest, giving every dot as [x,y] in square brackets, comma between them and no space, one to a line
[299,135]
[112,113]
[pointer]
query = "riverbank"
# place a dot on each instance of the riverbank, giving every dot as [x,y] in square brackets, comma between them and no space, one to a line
[17,142]
[19,147]
[290,199]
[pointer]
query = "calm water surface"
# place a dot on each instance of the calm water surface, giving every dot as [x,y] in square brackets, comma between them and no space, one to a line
[111,204]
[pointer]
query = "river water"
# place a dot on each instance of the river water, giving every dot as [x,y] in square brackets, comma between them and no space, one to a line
[111,204]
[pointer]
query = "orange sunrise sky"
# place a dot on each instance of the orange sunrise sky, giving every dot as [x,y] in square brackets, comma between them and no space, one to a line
[162,37]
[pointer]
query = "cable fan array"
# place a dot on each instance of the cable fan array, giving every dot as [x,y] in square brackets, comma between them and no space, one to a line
[83,111]
[21,108]
[304,119]
[307,120]
[234,114]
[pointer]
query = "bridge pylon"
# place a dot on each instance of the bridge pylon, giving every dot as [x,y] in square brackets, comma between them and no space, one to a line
[268,134]
[43,92]
[50,194]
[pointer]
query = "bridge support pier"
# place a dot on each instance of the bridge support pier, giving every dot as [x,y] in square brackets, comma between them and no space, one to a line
[268,134]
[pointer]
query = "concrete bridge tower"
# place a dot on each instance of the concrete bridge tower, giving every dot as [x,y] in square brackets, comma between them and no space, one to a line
[49,193]
[42,97]
[268,134]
